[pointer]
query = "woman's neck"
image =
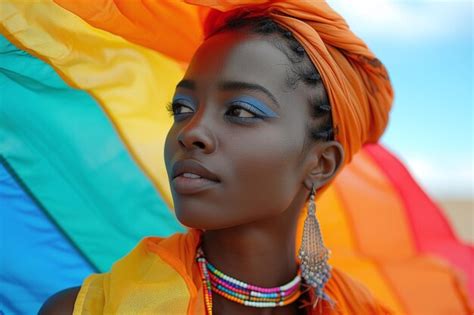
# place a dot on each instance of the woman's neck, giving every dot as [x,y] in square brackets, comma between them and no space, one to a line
[260,256]
[261,253]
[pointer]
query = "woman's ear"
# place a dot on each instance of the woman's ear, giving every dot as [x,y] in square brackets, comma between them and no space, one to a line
[325,159]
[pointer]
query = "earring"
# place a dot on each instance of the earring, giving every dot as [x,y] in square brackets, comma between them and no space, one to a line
[313,254]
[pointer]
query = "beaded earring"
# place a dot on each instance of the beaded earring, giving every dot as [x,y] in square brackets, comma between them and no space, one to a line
[313,254]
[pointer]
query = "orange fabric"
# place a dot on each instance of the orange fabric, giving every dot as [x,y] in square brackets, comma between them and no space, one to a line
[161,276]
[363,190]
[438,289]
[171,27]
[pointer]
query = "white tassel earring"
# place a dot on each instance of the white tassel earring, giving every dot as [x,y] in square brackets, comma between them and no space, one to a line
[313,254]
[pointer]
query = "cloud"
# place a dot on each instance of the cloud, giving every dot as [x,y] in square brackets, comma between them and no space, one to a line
[442,177]
[409,20]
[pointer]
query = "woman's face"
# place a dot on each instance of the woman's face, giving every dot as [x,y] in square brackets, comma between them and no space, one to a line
[236,116]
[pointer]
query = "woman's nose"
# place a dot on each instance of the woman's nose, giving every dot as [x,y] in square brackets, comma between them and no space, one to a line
[196,135]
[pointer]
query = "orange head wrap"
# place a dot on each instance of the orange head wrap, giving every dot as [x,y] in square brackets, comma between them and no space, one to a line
[357,83]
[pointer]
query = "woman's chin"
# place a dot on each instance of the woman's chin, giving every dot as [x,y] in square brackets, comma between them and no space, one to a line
[193,219]
[198,219]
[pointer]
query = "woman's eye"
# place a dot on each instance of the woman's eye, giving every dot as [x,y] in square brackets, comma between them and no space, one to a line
[241,112]
[177,108]
[182,109]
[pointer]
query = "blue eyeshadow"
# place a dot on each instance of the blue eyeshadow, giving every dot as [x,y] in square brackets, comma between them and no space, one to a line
[182,97]
[258,105]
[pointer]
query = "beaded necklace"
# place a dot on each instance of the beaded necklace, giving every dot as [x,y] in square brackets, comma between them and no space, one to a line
[240,292]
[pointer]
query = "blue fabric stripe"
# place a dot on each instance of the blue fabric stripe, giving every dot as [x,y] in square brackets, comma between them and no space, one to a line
[31,245]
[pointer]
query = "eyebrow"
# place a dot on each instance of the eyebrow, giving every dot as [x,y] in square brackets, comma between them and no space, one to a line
[232,85]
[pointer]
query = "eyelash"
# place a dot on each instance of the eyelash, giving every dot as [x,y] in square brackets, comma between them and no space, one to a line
[172,108]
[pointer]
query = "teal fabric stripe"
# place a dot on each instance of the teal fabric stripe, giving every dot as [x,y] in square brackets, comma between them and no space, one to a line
[68,153]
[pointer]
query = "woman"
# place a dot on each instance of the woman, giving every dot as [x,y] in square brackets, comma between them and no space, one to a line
[264,118]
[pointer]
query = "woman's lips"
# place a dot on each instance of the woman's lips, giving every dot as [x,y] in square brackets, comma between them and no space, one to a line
[188,183]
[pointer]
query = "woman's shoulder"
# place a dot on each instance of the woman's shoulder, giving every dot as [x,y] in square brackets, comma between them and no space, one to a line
[351,296]
[60,303]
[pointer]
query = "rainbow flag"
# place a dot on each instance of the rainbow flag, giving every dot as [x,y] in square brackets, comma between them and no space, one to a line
[82,178]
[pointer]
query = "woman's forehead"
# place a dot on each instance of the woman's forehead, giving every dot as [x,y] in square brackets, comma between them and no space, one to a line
[240,57]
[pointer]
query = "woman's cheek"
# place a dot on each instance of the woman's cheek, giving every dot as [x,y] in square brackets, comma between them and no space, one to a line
[267,166]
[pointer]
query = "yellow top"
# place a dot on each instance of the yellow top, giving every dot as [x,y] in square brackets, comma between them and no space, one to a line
[160,276]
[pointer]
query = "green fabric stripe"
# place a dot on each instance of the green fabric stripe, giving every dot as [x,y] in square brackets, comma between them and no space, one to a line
[68,153]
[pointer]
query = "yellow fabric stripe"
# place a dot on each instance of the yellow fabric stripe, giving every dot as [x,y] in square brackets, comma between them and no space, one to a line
[132,83]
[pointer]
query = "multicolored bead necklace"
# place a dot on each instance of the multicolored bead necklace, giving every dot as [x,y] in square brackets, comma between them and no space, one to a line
[241,292]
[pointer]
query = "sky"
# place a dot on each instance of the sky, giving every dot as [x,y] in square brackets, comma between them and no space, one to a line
[427,47]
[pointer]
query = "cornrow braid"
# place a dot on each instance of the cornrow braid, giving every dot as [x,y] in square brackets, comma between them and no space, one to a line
[303,70]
